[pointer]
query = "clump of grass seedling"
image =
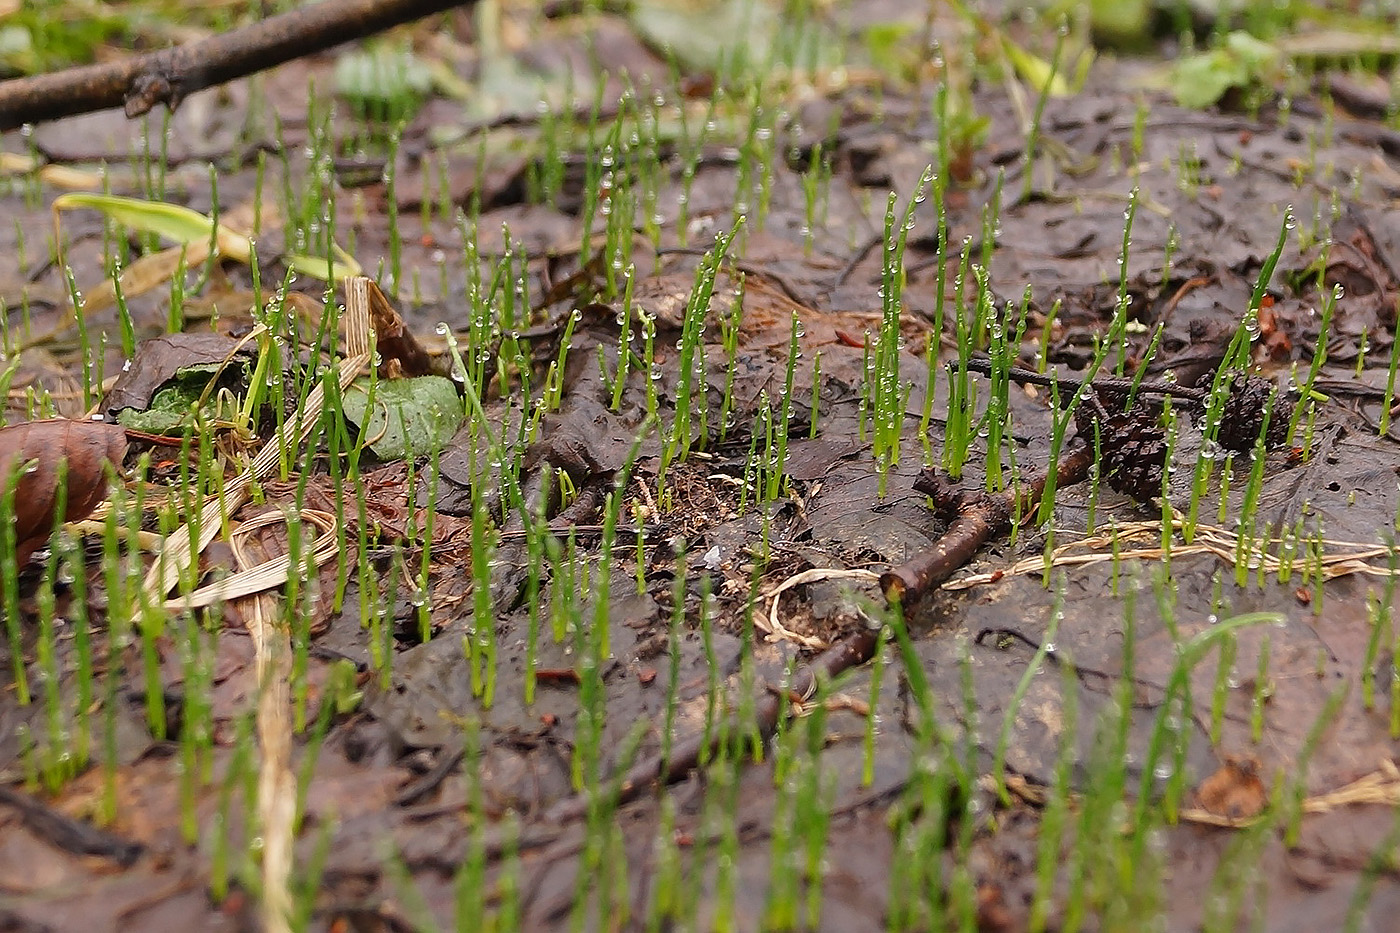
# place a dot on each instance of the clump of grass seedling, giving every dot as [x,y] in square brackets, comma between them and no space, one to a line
[781,908]
[1248,556]
[713,694]
[677,624]
[1172,728]
[602,876]
[757,157]
[1013,706]
[1388,402]
[957,432]
[226,861]
[9,577]
[877,672]
[1317,552]
[1329,307]
[1236,360]
[938,187]
[996,419]
[1223,513]
[1263,690]
[1291,804]
[599,179]
[729,340]
[816,191]
[1378,615]
[625,353]
[1042,97]
[1236,888]
[1224,681]
[778,435]
[690,380]
[52,760]
[888,392]
[690,149]
[672,899]
[925,816]
[1379,862]
[480,642]
[1056,818]
[1047,329]
[720,825]
[196,738]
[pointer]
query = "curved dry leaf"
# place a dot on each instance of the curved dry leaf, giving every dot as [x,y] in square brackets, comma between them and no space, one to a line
[161,359]
[86,446]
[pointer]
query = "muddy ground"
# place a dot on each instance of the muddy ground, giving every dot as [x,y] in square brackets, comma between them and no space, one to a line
[389,790]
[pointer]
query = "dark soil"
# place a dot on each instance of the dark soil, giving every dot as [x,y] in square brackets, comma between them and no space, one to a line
[389,789]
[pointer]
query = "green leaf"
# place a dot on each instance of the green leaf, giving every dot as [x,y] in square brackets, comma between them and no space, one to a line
[171,221]
[705,34]
[185,226]
[410,417]
[1201,80]
[1035,70]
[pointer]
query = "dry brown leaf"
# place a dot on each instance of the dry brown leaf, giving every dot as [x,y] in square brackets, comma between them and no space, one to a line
[85,446]
[400,352]
[1235,790]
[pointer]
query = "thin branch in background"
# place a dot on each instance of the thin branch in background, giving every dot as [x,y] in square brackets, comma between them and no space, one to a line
[169,75]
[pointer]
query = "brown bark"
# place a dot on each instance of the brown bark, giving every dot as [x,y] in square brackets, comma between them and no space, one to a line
[169,75]
[979,516]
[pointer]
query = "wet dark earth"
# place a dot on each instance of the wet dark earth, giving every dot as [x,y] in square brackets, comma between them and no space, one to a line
[1057,686]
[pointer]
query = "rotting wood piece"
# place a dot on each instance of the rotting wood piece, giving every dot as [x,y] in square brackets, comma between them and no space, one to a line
[169,75]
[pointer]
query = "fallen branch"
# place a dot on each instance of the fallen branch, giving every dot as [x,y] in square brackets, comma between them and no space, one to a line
[979,516]
[169,75]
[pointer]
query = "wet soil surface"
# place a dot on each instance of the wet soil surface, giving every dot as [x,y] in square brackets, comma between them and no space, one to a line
[399,788]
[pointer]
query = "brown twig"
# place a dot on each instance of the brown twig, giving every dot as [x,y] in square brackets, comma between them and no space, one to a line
[67,833]
[1016,374]
[169,75]
[979,516]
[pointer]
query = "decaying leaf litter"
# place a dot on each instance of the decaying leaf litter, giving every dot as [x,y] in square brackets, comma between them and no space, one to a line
[1079,712]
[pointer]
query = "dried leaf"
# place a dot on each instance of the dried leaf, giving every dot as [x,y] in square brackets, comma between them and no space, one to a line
[86,446]
[161,360]
[394,341]
[1235,790]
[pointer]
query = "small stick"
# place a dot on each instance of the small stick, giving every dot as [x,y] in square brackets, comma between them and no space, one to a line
[67,833]
[983,367]
[979,516]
